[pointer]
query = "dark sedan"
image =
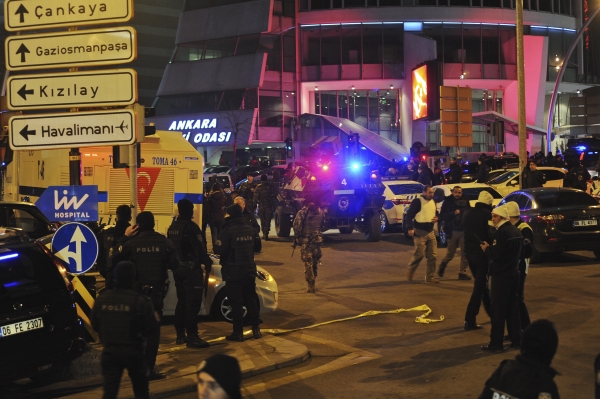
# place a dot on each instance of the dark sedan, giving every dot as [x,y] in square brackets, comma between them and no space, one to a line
[562,219]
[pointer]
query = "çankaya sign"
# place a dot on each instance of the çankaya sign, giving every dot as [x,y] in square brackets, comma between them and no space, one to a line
[68,130]
[93,47]
[39,14]
[185,125]
[109,87]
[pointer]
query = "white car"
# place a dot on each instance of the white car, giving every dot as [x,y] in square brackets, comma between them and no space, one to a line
[398,195]
[215,302]
[508,182]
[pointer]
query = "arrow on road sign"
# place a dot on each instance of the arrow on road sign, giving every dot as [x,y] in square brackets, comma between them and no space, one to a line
[22,50]
[26,133]
[65,254]
[21,11]
[23,92]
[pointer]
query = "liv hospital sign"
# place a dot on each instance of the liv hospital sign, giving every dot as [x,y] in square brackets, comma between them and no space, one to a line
[201,131]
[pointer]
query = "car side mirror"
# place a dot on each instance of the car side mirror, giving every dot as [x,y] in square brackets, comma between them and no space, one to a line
[513,183]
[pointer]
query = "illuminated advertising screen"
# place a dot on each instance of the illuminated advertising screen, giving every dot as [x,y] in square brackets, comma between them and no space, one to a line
[419,88]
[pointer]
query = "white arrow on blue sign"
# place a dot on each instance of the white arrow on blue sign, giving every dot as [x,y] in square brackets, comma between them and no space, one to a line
[76,244]
[69,203]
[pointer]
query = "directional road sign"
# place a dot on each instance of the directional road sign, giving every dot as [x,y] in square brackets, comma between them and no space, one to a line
[69,203]
[42,14]
[76,244]
[91,47]
[110,87]
[74,129]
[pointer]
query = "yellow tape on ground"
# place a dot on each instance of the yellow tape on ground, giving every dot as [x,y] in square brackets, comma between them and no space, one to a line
[419,319]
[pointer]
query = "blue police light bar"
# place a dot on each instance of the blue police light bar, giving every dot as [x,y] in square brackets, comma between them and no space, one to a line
[355,166]
[581,148]
[9,256]
[405,159]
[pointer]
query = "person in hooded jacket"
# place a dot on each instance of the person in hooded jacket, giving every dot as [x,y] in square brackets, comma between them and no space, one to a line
[215,204]
[475,221]
[236,248]
[108,239]
[455,173]
[454,207]
[529,375]
[248,216]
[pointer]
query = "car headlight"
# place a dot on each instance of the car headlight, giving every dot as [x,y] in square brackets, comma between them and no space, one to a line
[264,276]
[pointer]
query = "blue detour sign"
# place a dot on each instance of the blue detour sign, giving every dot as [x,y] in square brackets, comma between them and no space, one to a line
[69,203]
[76,244]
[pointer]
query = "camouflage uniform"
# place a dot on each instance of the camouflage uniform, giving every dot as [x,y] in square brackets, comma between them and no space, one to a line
[246,190]
[264,196]
[308,229]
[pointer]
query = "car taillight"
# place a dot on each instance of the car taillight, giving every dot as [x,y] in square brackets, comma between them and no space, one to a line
[59,265]
[397,201]
[549,219]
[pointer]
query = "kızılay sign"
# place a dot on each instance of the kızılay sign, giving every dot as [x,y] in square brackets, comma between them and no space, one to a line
[185,125]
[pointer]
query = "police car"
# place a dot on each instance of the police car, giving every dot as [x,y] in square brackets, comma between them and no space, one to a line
[398,196]
[508,182]
[216,304]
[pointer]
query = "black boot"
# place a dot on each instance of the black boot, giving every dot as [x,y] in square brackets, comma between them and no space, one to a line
[197,342]
[235,336]
[256,332]
[154,375]
[181,339]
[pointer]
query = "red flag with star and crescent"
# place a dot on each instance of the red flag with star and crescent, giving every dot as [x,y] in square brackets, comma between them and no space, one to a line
[146,178]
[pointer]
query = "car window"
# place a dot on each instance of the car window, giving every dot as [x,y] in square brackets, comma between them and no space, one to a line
[26,273]
[399,189]
[503,178]
[25,220]
[553,174]
[563,198]
[523,201]
[473,193]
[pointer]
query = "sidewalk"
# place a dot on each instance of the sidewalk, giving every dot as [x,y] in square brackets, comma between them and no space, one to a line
[256,356]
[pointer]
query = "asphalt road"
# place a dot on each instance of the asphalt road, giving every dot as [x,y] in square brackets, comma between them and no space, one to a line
[392,356]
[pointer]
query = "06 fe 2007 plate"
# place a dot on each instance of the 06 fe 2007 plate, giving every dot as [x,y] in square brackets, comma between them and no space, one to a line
[580,223]
[21,327]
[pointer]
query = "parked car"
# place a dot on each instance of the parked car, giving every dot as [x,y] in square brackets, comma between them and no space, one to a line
[471,190]
[27,217]
[398,195]
[217,169]
[223,178]
[508,182]
[562,219]
[494,163]
[216,304]
[40,332]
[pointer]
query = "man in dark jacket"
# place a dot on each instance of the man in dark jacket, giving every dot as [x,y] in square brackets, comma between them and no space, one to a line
[579,177]
[249,217]
[475,221]
[483,171]
[425,174]
[189,277]
[455,174]
[236,248]
[123,318]
[264,197]
[215,210]
[108,239]
[247,192]
[454,207]
[413,174]
[529,375]
[504,254]
[535,178]
[152,254]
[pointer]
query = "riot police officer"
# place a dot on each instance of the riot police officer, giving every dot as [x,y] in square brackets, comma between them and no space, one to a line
[123,318]
[152,254]
[308,230]
[264,196]
[247,191]
[189,277]
[108,239]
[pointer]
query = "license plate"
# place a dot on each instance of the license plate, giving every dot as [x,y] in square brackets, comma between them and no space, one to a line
[21,327]
[591,222]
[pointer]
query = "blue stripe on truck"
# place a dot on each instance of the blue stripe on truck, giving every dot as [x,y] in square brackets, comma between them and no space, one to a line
[102,196]
[195,198]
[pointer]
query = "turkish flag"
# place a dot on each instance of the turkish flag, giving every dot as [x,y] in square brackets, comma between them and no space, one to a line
[146,178]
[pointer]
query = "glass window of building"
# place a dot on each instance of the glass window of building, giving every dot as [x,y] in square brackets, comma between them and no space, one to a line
[386,3]
[545,5]
[472,43]
[271,44]
[331,45]
[425,2]
[354,3]
[453,52]
[190,51]
[343,104]
[393,43]
[270,108]
[217,48]
[351,44]
[247,44]
[311,46]
[490,44]
[289,51]
[372,43]
[320,4]
[465,3]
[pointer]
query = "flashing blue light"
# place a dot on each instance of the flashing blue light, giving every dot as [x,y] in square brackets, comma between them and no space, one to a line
[13,284]
[405,159]
[581,148]
[9,256]
[355,166]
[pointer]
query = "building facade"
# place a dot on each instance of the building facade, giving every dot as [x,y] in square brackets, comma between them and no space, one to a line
[256,66]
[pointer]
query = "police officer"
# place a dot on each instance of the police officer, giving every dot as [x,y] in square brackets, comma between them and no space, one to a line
[247,192]
[264,196]
[308,230]
[189,277]
[236,248]
[152,254]
[108,239]
[123,318]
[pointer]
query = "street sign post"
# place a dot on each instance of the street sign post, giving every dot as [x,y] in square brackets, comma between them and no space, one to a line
[73,89]
[69,203]
[74,129]
[76,244]
[93,47]
[44,14]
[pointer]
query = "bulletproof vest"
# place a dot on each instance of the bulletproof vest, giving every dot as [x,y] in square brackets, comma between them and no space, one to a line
[150,254]
[110,237]
[427,212]
[176,234]
[313,223]
[119,319]
[264,193]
